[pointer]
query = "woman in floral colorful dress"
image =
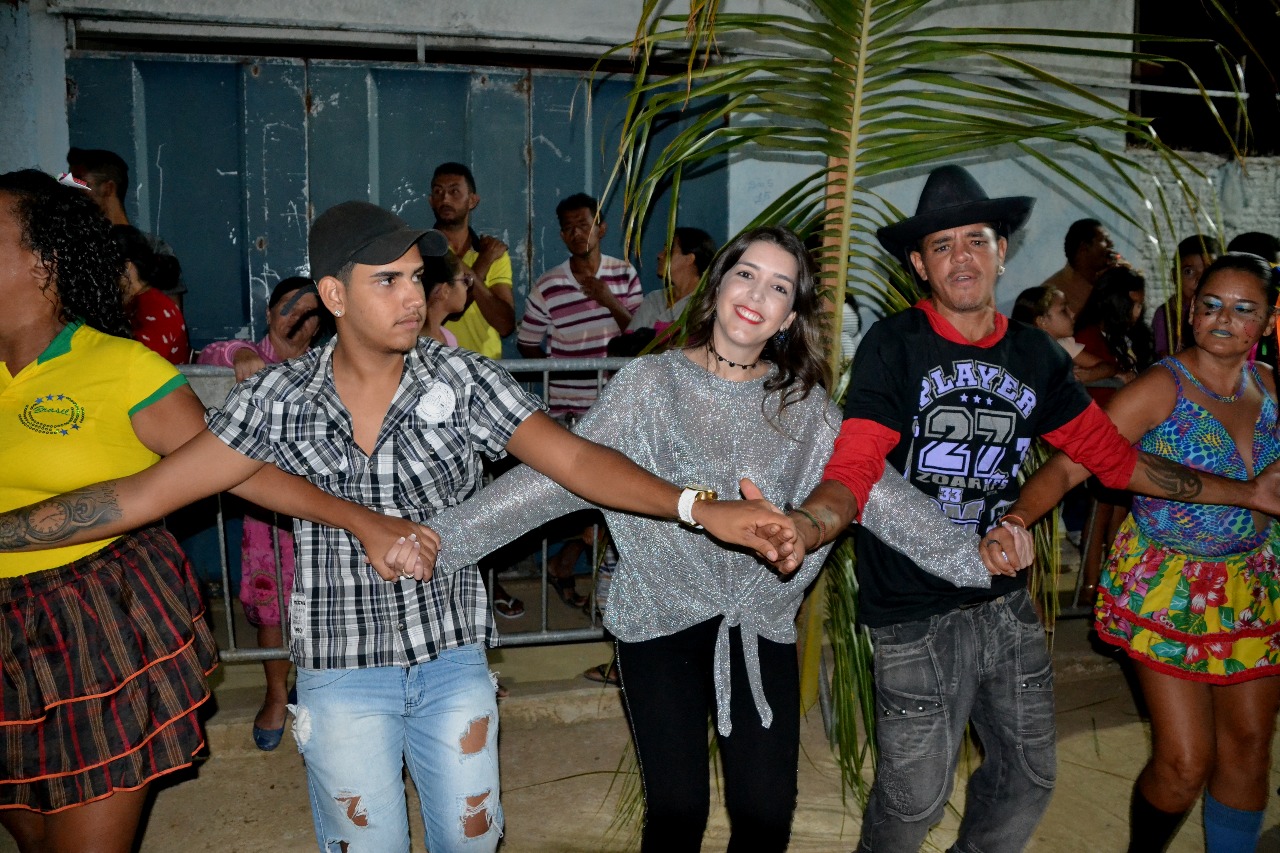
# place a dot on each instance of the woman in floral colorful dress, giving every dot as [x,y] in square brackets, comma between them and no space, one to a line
[1192,591]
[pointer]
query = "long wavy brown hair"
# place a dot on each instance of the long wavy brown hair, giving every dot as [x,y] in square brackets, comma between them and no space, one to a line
[799,355]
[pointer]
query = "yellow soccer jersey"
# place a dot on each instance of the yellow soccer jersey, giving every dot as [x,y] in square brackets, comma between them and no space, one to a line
[472,329]
[64,423]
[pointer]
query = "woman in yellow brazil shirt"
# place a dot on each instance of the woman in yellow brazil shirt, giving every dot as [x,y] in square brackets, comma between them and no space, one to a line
[104,647]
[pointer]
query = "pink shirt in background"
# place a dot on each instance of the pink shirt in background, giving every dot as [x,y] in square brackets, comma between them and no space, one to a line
[223,353]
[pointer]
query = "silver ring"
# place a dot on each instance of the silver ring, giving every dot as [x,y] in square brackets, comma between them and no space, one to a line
[992,542]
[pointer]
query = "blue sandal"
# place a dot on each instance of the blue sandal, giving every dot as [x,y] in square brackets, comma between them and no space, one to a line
[268,739]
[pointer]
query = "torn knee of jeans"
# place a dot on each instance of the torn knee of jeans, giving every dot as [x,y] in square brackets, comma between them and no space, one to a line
[356,812]
[476,736]
[476,820]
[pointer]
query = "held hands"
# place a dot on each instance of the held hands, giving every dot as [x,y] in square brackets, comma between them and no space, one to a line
[409,548]
[752,523]
[1007,548]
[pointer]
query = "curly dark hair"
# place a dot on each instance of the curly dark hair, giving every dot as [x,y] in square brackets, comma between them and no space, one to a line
[577,201]
[1110,308]
[799,358]
[458,170]
[72,239]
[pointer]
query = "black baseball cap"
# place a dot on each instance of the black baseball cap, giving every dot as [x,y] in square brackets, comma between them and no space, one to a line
[360,232]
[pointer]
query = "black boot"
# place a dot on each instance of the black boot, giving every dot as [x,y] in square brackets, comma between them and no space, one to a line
[1149,827]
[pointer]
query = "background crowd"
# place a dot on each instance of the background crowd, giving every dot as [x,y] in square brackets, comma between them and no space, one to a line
[1189,594]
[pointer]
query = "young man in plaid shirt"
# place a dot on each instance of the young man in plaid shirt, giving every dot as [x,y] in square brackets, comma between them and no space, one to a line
[391,666]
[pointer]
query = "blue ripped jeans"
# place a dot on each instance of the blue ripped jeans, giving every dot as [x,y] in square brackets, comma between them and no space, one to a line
[987,665]
[358,728]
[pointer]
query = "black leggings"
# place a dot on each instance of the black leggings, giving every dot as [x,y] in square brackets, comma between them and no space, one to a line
[669,688]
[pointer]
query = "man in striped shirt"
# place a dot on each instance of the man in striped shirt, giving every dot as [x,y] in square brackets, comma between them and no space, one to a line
[578,306]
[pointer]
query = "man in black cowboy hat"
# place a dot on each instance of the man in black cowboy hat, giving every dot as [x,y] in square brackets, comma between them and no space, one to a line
[951,394]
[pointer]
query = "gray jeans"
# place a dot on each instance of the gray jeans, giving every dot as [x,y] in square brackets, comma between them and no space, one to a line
[986,665]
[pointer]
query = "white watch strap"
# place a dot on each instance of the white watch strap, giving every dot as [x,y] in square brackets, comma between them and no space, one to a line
[684,509]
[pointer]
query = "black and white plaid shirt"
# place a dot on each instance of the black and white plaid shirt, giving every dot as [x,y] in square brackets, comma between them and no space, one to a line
[452,405]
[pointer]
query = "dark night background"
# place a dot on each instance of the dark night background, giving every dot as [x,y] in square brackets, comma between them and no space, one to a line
[1254,42]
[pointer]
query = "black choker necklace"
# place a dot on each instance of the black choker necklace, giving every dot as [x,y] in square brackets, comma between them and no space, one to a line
[711,348]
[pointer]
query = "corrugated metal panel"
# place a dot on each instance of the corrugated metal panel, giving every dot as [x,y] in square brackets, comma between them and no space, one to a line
[379,133]
[193,137]
[237,156]
[178,126]
[273,179]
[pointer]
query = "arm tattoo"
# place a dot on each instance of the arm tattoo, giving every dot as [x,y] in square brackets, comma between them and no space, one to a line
[1179,483]
[50,522]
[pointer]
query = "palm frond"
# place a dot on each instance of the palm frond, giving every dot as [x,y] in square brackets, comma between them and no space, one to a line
[852,696]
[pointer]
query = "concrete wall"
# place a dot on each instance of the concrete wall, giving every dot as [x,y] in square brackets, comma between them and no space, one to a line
[560,26]
[33,92]
[1235,198]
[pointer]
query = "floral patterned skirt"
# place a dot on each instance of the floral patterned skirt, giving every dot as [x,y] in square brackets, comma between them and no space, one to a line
[1214,619]
[258,589]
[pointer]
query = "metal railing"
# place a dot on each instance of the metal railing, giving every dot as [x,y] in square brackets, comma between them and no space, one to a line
[1072,610]
[212,384]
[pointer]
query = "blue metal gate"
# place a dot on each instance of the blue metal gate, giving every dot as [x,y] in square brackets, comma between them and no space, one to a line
[232,157]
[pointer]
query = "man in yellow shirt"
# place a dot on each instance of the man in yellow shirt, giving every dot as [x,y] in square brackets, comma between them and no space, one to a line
[490,314]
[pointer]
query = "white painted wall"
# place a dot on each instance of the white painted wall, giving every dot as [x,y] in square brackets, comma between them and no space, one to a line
[1236,198]
[1037,250]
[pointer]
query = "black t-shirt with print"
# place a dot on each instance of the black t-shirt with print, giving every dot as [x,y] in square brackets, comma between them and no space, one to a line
[966,416]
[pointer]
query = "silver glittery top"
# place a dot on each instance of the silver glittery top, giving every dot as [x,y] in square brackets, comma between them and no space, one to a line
[687,425]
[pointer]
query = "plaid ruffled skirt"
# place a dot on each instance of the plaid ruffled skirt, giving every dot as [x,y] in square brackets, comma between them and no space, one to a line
[103,663]
[1213,619]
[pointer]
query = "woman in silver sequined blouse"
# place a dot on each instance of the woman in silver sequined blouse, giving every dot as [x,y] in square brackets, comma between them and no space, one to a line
[700,627]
